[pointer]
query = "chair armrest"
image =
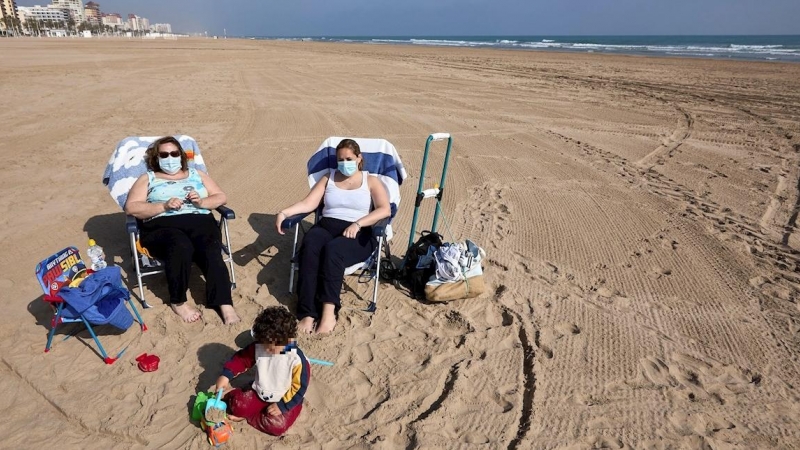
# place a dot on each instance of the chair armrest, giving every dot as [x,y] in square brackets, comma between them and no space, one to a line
[131,225]
[226,212]
[289,222]
[379,228]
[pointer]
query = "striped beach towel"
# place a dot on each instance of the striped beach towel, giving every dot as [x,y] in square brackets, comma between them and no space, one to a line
[127,163]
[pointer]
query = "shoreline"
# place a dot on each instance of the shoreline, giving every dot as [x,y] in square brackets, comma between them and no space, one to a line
[381,42]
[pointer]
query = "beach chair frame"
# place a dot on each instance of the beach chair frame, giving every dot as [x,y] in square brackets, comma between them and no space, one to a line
[125,166]
[381,160]
[144,265]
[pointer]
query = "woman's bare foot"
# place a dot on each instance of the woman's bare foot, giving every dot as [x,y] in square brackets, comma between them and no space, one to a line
[328,321]
[229,315]
[186,312]
[306,325]
[233,418]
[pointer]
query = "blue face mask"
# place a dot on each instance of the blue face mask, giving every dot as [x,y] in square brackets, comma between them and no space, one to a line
[170,165]
[347,167]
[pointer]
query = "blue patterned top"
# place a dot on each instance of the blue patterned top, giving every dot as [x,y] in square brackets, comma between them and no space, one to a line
[160,190]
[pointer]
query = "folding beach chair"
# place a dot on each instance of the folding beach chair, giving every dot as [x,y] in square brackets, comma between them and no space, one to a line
[381,160]
[78,297]
[125,166]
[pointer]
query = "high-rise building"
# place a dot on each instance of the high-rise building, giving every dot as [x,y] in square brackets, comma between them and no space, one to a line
[42,13]
[137,23]
[8,14]
[92,11]
[75,7]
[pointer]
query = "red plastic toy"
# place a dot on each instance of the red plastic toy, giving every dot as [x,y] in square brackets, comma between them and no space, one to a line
[148,363]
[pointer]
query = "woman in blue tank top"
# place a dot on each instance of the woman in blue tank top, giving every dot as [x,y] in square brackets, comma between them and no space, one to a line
[342,237]
[173,204]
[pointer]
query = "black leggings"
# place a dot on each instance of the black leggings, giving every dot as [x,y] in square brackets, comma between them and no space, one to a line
[182,239]
[324,255]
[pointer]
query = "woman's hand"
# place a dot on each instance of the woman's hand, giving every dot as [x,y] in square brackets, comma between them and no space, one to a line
[352,231]
[194,198]
[173,204]
[278,221]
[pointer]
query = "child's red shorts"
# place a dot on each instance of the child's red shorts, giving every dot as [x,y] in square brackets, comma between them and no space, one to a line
[249,406]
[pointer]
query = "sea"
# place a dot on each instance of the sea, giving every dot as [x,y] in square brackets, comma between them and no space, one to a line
[750,47]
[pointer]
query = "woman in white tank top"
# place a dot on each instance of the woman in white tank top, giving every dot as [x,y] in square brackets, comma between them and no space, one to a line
[353,202]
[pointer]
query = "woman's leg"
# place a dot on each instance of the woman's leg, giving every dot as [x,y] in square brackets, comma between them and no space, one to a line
[207,241]
[174,248]
[340,253]
[310,251]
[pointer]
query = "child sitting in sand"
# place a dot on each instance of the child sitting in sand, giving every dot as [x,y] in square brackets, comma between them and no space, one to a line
[275,399]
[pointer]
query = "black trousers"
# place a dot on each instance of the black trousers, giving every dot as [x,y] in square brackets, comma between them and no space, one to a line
[182,239]
[324,255]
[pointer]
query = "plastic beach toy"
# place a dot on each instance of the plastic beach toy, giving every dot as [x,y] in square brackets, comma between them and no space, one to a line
[212,417]
[148,363]
[215,403]
[199,407]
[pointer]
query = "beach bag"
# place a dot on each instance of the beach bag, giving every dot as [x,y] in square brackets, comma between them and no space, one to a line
[458,273]
[100,299]
[420,264]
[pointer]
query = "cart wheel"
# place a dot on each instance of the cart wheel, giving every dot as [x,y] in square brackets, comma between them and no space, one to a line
[387,270]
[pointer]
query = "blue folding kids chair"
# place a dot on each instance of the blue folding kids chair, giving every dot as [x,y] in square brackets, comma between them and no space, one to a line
[380,160]
[125,166]
[76,296]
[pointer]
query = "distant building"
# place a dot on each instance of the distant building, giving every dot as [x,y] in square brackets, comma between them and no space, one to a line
[113,20]
[75,8]
[8,14]
[92,11]
[161,28]
[42,13]
[137,23]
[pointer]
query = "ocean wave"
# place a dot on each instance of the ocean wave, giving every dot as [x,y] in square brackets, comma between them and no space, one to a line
[787,52]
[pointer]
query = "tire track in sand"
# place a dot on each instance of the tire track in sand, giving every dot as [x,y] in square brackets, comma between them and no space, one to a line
[671,143]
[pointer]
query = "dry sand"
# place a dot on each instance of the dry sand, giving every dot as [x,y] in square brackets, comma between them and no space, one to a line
[639,217]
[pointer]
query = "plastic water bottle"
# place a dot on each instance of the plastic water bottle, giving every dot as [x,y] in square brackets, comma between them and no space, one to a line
[95,253]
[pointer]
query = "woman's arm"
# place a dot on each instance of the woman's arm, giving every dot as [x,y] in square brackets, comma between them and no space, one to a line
[380,202]
[216,197]
[138,206]
[306,205]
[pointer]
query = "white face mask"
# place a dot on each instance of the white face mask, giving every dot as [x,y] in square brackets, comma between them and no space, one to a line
[170,165]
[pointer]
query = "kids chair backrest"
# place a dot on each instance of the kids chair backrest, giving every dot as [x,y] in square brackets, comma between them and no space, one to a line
[126,165]
[381,160]
[74,296]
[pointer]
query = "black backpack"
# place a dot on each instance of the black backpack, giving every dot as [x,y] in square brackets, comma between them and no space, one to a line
[416,273]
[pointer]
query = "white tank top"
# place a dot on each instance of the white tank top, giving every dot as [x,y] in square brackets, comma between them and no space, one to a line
[344,204]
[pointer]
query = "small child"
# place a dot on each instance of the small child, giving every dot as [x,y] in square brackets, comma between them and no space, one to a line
[275,399]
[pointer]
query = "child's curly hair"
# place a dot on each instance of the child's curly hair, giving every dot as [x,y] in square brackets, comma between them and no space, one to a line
[275,325]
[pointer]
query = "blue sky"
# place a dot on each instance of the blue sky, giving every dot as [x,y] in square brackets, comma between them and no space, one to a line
[463,17]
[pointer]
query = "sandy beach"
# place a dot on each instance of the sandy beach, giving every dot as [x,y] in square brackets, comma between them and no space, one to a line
[639,217]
